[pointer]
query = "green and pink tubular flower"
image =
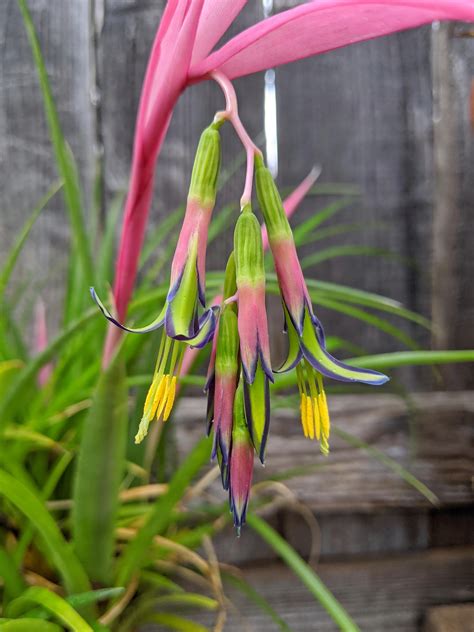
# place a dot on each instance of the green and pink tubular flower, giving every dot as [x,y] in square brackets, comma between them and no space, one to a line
[180,314]
[241,463]
[307,352]
[186,52]
[253,327]
[228,414]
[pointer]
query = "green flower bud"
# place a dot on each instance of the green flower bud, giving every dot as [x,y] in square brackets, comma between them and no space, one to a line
[239,430]
[248,248]
[270,203]
[227,357]
[230,284]
[203,185]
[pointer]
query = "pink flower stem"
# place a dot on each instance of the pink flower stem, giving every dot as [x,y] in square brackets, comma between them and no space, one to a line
[231,113]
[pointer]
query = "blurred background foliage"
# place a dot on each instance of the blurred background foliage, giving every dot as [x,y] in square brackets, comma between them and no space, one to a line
[95,532]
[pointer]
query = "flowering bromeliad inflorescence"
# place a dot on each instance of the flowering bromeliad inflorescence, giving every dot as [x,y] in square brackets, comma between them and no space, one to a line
[307,353]
[240,369]
[179,317]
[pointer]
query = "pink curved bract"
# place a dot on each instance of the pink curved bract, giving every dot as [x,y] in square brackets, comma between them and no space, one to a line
[253,329]
[196,223]
[181,55]
[290,277]
[322,25]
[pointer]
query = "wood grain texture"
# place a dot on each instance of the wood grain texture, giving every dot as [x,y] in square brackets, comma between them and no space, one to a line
[128,32]
[436,445]
[27,167]
[453,298]
[364,113]
[459,618]
[379,92]
[390,593]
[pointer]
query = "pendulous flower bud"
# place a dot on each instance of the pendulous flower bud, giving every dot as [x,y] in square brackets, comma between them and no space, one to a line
[241,462]
[203,186]
[248,249]
[270,203]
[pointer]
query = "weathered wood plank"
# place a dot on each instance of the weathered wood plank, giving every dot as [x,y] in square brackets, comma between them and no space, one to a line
[129,29]
[452,296]
[459,618]
[27,167]
[364,113]
[436,445]
[390,593]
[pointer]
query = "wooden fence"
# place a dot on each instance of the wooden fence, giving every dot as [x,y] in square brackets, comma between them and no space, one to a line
[390,117]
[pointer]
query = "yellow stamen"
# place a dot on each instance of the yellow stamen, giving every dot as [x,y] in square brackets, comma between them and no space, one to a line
[324,413]
[142,429]
[159,395]
[170,400]
[324,446]
[164,397]
[317,418]
[303,414]
[149,399]
[309,417]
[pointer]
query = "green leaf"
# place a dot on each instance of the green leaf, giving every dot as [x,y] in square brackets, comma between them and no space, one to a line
[371,319]
[93,596]
[28,624]
[64,159]
[55,473]
[60,553]
[106,249]
[17,390]
[220,221]
[159,518]
[174,622]
[306,574]
[338,229]
[412,358]
[193,600]
[13,584]
[17,247]
[348,251]
[99,471]
[369,299]
[8,369]
[302,230]
[160,582]
[55,604]
[390,463]
[162,231]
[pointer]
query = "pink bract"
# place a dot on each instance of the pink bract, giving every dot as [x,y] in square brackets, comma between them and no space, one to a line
[181,55]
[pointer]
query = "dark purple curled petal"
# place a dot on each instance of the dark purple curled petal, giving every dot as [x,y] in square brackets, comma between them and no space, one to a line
[156,324]
[257,414]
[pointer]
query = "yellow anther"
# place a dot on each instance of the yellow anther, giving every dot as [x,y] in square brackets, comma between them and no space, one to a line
[142,429]
[317,419]
[148,406]
[309,417]
[324,445]
[164,395]
[324,414]
[303,414]
[170,399]
[158,395]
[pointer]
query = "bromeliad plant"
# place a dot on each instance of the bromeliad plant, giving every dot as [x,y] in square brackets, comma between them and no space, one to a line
[88,539]
[181,56]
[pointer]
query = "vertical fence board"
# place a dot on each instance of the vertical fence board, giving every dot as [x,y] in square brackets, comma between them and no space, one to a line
[27,167]
[453,234]
[364,114]
[128,33]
